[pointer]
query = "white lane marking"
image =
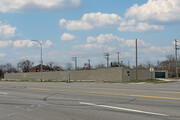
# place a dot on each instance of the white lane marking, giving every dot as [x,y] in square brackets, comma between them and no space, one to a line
[124,109]
[3,93]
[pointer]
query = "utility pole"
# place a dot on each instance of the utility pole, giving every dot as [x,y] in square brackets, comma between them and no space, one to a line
[122,64]
[176,48]
[107,58]
[136,60]
[75,61]
[118,58]
[89,65]
[128,64]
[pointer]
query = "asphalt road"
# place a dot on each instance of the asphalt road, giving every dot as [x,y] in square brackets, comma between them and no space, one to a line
[89,101]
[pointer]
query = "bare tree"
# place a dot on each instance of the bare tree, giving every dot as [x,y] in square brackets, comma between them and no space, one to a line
[25,65]
[168,64]
[69,66]
[100,66]
[8,67]
[86,66]
[1,74]
[51,64]
[54,66]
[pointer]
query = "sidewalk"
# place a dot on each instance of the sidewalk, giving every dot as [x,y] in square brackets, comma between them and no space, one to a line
[170,80]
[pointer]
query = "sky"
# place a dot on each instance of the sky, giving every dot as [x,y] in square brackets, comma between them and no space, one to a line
[87,29]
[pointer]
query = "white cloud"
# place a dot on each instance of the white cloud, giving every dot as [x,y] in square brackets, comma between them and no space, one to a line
[29,43]
[162,50]
[94,47]
[111,49]
[102,38]
[128,23]
[29,58]
[2,55]
[88,46]
[6,31]
[38,5]
[67,36]
[101,43]
[4,44]
[156,10]
[23,43]
[47,44]
[91,20]
[129,43]
[132,26]
[111,43]
[127,54]
[99,20]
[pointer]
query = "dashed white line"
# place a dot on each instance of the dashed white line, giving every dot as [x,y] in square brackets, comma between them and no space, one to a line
[124,109]
[3,93]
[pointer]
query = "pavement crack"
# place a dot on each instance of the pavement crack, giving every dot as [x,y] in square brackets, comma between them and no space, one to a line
[8,115]
[45,99]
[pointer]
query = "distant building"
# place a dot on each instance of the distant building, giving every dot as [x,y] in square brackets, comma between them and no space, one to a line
[38,68]
[57,68]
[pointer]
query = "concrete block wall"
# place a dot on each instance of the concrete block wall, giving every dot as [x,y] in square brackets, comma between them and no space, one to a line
[130,74]
[113,75]
[101,75]
[36,76]
[143,74]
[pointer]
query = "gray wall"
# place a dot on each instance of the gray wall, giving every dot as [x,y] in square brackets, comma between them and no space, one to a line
[143,74]
[35,76]
[112,74]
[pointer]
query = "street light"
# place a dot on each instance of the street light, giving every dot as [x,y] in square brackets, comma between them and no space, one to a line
[41,56]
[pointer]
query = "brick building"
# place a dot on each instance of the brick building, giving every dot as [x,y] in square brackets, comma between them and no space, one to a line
[38,68]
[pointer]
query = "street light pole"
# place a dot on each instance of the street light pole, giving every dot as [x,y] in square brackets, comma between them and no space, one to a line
[75,61]
[41,56]
[136,60]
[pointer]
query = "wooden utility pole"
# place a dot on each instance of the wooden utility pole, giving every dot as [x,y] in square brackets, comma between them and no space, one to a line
[89,64]
[176,58]
[136,61]
[118,58]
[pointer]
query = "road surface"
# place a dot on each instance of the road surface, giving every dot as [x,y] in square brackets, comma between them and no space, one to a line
[89,101]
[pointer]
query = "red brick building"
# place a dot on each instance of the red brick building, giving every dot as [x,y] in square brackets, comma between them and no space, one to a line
[38,68]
